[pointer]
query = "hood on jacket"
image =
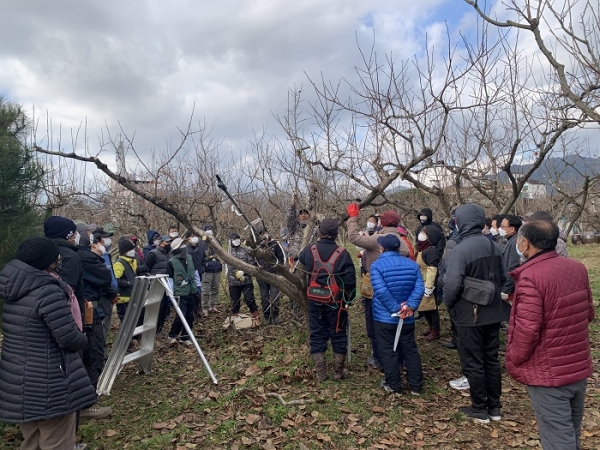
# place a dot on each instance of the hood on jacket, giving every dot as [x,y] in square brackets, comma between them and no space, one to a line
[208,226]
[426,212]
[150,235]
[470,219]
[18,279]
[434,235]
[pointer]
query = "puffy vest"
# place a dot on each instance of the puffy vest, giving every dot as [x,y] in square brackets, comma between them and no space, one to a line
[160,266]
[129,275]
[182,275]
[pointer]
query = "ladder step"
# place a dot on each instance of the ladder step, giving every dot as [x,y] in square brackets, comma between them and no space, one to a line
[143,328]
[138,354]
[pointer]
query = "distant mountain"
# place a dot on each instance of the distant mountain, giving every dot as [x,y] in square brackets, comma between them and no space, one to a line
[571,168]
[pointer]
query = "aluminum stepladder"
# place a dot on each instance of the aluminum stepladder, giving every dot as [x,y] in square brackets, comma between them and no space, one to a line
[147,292]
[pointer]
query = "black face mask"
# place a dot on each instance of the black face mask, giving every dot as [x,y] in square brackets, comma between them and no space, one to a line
[303,225]
[452,224]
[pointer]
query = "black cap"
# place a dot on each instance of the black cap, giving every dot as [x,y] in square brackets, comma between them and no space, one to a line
[102,232]
[125,245]
[389,242]
[329,228]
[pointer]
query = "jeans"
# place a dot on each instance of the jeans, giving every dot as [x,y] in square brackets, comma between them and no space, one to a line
[478,350]
[407,354]
[327,323]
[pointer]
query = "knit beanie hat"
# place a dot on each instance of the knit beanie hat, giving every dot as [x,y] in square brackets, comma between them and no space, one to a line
[125,245]
[38,252]
[389,242]
[59,227]
[329,228]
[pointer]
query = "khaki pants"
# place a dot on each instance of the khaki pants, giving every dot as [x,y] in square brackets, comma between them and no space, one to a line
[51,434]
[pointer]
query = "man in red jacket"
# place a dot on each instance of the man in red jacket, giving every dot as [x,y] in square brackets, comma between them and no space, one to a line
[548,342]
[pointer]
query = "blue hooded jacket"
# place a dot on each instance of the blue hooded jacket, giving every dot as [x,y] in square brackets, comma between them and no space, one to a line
[150,235]
[395,280]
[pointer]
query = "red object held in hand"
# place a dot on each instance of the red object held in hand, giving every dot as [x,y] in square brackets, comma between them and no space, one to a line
[353,209]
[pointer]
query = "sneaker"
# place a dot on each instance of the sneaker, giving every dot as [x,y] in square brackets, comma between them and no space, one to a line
[494,414]
[415,393]
[386,387]
[81,446]
[95,412]
[451,345]
[214,310]
[374,363]
[187,343]
[478,417]
[172,340]
[460,384]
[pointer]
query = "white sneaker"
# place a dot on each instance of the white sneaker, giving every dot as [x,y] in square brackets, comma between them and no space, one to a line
[460,384]
[172,341]
[188,343]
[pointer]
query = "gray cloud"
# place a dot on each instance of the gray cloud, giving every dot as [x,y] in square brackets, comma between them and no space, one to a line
[145,64]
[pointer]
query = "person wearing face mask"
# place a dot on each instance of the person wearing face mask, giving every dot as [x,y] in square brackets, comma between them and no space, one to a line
[211,277]
[269,294]
[509,228]
[125,270]
[153,239]
[428,259]
[197,254]
[487,229]
[239,282]
[97,282]
[297,221]
[106,302]
[182,273]
[495,230]
[43,382]
[425,217]
[173,232]
[64,232]
[156,263]
[548,346]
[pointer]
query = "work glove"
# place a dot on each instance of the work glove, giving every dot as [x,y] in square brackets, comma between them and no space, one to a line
[405,311]
[239,275]
[428,291]
[504,296]
[353,209]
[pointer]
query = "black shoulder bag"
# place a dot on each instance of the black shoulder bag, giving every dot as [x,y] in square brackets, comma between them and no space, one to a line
[481,292]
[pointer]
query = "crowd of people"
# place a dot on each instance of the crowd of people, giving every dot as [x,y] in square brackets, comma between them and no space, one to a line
[495,274]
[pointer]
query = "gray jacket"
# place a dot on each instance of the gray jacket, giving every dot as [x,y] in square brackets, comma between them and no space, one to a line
[41,373]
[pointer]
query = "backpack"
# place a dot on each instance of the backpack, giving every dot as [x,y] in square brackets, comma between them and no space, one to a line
[316,291]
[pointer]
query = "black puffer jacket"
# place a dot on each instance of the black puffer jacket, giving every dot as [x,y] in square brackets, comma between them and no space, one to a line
[470,259]
[41,374]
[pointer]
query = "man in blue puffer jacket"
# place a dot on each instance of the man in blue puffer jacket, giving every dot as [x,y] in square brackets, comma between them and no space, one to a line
[398,288]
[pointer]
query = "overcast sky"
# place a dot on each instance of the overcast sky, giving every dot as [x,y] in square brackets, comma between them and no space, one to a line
[146,64]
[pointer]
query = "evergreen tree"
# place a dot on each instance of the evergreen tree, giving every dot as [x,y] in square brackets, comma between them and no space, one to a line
[20,181]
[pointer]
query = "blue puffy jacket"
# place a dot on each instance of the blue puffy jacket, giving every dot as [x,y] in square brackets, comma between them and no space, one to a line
[395,280]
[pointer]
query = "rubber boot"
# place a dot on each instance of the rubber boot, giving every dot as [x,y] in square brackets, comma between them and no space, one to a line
[320,366]
[339,372]
[434,335]
[427,331]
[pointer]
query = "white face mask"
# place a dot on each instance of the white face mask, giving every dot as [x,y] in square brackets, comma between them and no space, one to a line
[174,234]
[209,232]
[194,240]
[423,218]
[422,237]
[102,249]
[156,242]
[519,251]
[370,226]
[130,253]
[77,238]
[236,242]
[494,231]
[502,232]
[106,242]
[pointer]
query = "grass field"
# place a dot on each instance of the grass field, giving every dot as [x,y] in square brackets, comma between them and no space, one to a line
[266,397]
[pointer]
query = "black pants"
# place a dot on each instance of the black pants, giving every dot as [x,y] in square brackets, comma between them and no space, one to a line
[327,323]
[269,299]
[370,325]
[236,292]
[93,354]
[433,318]
[406,354]
[186,305]
[163,313]
[478,350]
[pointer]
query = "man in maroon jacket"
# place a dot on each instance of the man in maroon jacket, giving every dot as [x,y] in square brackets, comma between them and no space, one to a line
[548,342]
